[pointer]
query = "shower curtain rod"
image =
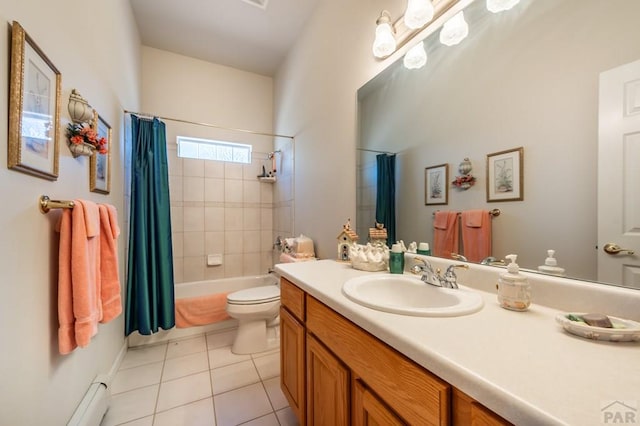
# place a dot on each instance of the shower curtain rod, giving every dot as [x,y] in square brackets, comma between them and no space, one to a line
[376,151]
[208,125]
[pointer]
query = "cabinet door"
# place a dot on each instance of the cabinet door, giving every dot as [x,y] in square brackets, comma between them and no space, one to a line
[327,387]
[292,359]
[368,410]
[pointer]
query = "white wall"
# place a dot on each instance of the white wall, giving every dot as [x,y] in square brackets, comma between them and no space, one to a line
[94,44]
[216,208]
[315,100]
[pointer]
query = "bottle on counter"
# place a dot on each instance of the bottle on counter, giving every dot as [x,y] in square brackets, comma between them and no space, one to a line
[423,248]
[514,291]
[396,259]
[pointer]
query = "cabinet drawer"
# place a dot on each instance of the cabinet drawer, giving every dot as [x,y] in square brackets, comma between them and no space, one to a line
[406,387]
[292,298]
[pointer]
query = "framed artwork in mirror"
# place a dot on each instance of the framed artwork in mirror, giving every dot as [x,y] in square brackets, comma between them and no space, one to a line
[100,162]
[436,190]
[34,108]
[505,175]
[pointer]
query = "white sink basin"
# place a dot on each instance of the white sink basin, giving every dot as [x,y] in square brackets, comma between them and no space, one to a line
[408,295]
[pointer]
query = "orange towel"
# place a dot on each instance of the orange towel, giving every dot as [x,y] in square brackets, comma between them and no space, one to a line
[66,329]
[476,234]
[109,276]
[201,310]
[79,308]
[445,234]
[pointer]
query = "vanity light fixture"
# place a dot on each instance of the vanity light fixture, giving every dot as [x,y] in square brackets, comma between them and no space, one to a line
[385,42]
[416,57]
[454,30]
[418,13]
[497,6]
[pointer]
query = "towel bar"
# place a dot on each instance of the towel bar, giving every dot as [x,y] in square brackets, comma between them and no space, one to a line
[47,204]
[494,212]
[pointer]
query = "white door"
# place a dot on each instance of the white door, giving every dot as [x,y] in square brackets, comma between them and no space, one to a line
[619,176]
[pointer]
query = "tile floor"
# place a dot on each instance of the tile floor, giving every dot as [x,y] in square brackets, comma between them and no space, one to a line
[198,381]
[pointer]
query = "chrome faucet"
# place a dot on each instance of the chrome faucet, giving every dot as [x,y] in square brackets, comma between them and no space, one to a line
[460,257]
[429,276]
[492,261]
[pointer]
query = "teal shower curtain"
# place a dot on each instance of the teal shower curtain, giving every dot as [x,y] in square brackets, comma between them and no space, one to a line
[386,194]
[150,297]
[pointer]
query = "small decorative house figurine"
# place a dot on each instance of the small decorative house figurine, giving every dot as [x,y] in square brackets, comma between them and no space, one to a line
[378,235]
[345,239]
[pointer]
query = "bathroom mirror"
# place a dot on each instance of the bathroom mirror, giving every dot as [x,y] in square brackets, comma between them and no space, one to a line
[527,77]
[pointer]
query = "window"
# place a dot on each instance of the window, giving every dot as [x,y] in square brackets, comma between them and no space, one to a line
[207,149]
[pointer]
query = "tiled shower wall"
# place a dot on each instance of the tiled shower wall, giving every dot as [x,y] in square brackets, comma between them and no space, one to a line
[219,208]
[366,194]
[283,195]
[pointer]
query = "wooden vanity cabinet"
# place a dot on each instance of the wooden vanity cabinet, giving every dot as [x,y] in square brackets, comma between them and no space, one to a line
[292,348]
[335,373]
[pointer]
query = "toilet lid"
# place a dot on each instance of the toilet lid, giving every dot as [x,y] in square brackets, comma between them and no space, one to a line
[263,294]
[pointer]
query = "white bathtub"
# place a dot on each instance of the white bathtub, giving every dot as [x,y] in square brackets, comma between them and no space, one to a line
[201,288]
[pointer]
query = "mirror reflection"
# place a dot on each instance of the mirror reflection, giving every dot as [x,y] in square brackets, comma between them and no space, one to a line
[525,78]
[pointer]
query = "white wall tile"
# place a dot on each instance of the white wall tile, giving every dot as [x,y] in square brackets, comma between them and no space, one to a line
[233,265]
[233,242]
[233,219]
[193,167]
[193,269]
[251,191]
[233,171]
[194,243]
[214,218]
[214,169]
[193,219]
[251,264]
[251,242]
[214,242]
[233,190]
[193,188]
[175,188]
[177,219]
[214,190]
[251,220]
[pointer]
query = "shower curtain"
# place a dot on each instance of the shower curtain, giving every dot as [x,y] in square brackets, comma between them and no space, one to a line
[150,294]
[386,194]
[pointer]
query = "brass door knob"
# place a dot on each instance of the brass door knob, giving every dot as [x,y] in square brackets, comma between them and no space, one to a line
[613,248]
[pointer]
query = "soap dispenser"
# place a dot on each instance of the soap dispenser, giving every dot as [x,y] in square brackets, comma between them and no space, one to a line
[551,265]
[396,259]
[514,291]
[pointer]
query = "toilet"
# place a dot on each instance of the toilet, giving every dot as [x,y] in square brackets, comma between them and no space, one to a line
[256,310]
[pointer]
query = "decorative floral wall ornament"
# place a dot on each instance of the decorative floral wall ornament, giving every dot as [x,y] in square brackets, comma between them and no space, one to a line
[84,140]
[466,179]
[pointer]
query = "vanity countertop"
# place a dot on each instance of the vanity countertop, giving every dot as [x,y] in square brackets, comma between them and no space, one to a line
[522,365]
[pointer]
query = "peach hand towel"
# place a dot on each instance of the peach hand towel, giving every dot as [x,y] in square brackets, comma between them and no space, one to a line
[445,234]
[201,310]
[110,298]
[476,234]
[85,270]
[66,320]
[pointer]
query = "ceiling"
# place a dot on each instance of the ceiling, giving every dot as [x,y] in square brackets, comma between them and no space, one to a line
[251,35]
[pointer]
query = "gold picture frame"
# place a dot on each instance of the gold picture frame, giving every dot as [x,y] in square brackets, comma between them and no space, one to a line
[436,185]
[505,175]
[34,108]
[100,164]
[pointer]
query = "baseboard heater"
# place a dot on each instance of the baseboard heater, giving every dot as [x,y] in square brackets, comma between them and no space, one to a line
[93,406]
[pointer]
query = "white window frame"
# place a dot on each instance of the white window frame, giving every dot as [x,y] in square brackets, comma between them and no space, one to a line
[215,150]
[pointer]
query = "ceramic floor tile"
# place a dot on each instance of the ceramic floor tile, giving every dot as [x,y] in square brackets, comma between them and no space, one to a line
[199,413]
[268,366]
[185,365]
[132,405]
[277,398]
[136,377]
[221,339]
[186,347]
[223,356]
[233,376]
[265,353]
[145,421]
[286,417]
[241,405]
[268,420]
[145,355]
[184,390]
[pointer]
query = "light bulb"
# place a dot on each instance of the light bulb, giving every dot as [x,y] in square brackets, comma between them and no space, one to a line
[384,43]
[418,13]
[454,30]
[416,57]
[497,6]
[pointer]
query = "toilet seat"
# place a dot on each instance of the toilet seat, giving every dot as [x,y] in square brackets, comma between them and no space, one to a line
[255,295]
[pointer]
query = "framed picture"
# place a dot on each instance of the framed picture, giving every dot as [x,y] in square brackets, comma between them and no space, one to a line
[34,108]
[100,164]
[505,175]
[436,188]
